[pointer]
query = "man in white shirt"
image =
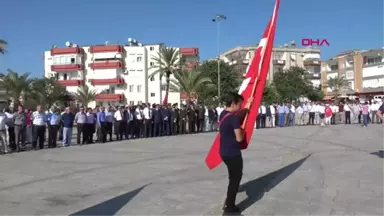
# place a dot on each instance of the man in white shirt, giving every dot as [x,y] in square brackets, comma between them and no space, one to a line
[321,111]
[347,110]
[374,107]
[292,116]
[263,116]
[317,114]
[335,112]
[219,109]
[312,111]
[139,124]
[39,120]
[300,115]
[119,125]
[3,132]
[147,112]
[305,113]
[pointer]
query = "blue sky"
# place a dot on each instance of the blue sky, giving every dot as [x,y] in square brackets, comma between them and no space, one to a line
[31,27]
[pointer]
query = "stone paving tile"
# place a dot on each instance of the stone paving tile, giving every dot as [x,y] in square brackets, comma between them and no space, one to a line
[167,176]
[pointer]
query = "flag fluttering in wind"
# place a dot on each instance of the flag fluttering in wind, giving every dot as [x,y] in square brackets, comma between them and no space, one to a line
[252,86]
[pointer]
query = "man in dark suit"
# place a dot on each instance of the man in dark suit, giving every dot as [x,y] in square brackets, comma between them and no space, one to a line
[191,119]
[201,116]
[175,119]
[183,119]
[157,121]
[212,118]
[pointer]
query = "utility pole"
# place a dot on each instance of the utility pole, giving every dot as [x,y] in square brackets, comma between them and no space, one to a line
[217,19]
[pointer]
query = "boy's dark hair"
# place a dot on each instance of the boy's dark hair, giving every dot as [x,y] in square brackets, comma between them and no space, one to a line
[232,98]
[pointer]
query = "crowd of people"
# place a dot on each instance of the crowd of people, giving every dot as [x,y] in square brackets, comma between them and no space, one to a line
[101,124]
[319,113]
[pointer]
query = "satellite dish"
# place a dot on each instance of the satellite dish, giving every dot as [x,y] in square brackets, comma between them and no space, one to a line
[140,44]
[106,42]
[68,44]
[129,39]
[134,41]
[74,45]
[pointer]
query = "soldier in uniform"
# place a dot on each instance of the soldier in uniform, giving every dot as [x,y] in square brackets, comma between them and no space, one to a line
[183,119]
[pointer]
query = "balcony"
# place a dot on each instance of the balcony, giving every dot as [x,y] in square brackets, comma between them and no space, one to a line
[279,62]
[189,51]
[66,67]
[106,48]
[114,81]
[310,62]
[71,82]
[66,51]
[106,65]
[109,97]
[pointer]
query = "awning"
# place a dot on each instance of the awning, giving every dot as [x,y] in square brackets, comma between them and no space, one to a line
[328,97]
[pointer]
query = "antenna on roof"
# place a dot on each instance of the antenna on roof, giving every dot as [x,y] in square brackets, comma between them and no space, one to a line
[118,41]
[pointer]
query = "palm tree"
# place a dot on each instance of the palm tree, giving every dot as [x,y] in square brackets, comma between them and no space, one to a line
[16,86]
[85,95]
[166,63]
[3,45]
[337,84]
[190,82]
[47,91]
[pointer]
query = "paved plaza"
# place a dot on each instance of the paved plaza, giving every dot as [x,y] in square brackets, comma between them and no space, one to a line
[335,170]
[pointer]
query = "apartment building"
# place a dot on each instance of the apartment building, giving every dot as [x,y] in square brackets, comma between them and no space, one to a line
[363,69]
[118,73]
[283,57]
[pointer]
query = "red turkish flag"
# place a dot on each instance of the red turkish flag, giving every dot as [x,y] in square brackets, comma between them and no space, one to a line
[253,85]
[165,101]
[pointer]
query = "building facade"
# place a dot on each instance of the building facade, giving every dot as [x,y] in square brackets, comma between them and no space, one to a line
[364,71]
[282,58]
[119,74]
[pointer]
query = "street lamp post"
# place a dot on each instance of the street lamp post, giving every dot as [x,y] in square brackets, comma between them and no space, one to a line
[217,19]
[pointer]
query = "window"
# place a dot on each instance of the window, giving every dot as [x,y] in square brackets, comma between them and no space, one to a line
[130,88]
[65,77]
[152,94]
[139,102]
[374,60]
[139,59]
[60,60]
[151,48]
[57,76]
[316,69]
[163,88]
[151,63]
[131,103]
[139,88]
[334,67]
[152,79]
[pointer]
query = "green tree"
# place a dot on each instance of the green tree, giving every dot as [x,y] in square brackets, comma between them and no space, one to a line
[47,91]
[293,83]
[315,94]
[190,82]
[271,95]
[337,84]
[166,63]
[3,46]
[84,95]
[17,87]
[230,80]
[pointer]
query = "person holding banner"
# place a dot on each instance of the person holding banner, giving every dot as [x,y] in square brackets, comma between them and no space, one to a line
[231,135]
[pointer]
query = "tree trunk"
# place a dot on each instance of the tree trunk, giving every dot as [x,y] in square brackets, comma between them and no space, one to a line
[167,81]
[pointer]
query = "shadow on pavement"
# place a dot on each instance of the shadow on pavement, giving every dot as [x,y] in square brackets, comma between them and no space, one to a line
[256,188]
[379,153]
[111,206]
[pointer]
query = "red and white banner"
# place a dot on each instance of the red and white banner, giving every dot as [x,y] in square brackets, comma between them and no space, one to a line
[252,86]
